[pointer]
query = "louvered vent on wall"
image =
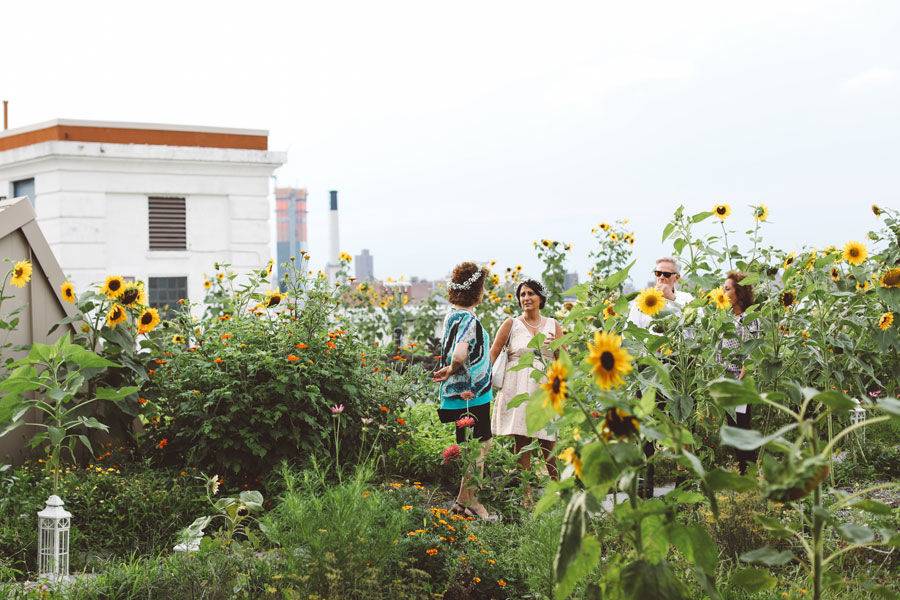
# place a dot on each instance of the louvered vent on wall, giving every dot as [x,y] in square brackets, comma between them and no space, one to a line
[167,224]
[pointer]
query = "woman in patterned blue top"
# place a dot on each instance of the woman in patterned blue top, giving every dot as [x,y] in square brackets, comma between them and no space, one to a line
[465,375]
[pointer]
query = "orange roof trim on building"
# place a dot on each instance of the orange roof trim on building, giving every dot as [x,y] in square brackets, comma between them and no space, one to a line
[134,133]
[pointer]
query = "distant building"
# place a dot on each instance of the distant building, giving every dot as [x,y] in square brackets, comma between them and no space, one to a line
[570,282]
[364,265]
[157,203]
[290,220]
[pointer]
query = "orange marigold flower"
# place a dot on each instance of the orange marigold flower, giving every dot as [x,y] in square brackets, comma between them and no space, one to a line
[163,443]
[501,583]
[407,507]
[225,317]
[384,409]
[431,551]
[301,346]
[399,358]
[142,401]
[401,422]
[293,358]
[218,360]
[225,336]
[151,371]
[159,361]
[476,580]
[331,345]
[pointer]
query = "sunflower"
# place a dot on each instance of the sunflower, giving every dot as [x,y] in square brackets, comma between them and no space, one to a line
[68,292]
[855,253]
[629,237]
[131,295]
[207,283]
[863,286]
[614,237]
[891,278]
[609,312]
[886,320]
[569,457]
[608,360]
[116,315]
[148,320]
[619,424]
[789,260]
[113,287]
[876,210]
[604,226]
[545,243]
[271,263]
[788,298]
[722,211]
[21,273]
[178,339]
[556,386]
[720,299]
[273,298]
[835,274]
[345,257]
[761,213]
[650,301]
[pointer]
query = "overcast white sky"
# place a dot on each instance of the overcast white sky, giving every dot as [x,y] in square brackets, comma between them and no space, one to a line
[468,129]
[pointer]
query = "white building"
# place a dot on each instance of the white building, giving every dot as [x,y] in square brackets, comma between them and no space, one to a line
[157,203]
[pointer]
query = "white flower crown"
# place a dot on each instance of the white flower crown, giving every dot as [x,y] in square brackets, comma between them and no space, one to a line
[467,283]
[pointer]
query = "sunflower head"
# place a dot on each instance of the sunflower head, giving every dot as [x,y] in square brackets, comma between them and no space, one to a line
[345,257]
[148,320]
[876,210]
[67,291]
[556,386]
[21,273]
[608,360]
[722,211]
[788,298]
[570,457]
[608,311]
[720,299]
[116,315]
[619,424]
[789,260]
[835,274]
[863,286]
[855,253]
[178,340]
[629,237]
[761,213]
[891,278]
[273,298]
[604,226]
[132,295]
[650,301]
[886,320]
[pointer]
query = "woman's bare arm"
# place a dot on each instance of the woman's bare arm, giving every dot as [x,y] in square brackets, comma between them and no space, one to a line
[500,340]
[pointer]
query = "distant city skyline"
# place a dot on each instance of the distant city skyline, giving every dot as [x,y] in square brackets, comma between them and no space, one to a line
[545,121]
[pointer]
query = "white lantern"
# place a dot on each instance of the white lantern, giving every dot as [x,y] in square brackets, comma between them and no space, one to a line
[857,415]
[53,540]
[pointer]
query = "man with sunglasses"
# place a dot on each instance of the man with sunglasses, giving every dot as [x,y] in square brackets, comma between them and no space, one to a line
[667,275]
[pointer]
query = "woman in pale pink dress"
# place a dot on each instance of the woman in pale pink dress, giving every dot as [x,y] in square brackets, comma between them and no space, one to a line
[519,331]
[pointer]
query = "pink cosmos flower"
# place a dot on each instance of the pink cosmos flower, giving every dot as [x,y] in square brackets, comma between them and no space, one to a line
[337,409]
[467,395]
[451,452]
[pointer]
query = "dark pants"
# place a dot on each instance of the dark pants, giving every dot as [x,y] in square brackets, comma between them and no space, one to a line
[743,456]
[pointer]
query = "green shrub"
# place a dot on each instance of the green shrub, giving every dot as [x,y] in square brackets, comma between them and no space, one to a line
[116,512]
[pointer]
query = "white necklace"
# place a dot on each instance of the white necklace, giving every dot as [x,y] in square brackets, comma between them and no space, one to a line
[525,320]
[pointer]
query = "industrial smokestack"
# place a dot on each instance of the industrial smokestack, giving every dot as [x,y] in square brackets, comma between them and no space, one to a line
[334,240]
[5,115]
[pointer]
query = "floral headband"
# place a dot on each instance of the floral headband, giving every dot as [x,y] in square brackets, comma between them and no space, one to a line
[467,283]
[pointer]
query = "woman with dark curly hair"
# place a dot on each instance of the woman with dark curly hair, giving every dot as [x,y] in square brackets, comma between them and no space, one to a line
[731,354]
[465,375]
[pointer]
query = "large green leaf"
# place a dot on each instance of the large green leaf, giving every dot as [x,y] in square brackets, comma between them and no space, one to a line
[731,392]
[616,278]
[85,358]
[643,580]
[518,399]
[767,556]
[718,479]
[858,534]
[750,439]
[105,393]
[597,465]
[655,537]
[753,580]
[696,545]
[577,553]
[835,400]
[538,412]
[889,405]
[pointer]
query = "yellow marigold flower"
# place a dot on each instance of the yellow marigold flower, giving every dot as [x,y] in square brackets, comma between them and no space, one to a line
[116,315]
[148,320]
[609,361]
[761,213]
[722,211]
[67,290]
[855,253]
[891,278]
[720,299]
[21,273]
[407,507]
[650,301]
[113,286]
[476,580]
[556,386]
[886,320]
[570,457]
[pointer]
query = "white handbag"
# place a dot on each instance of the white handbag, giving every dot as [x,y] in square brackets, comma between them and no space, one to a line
[498,370]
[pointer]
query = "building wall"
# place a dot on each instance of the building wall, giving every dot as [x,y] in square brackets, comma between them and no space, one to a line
[92,205]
